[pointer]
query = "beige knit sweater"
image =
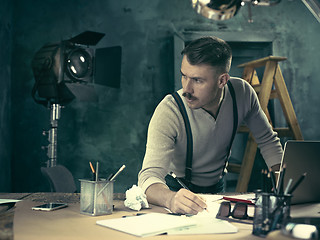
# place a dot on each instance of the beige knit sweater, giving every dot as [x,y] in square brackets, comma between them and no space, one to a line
[166,140]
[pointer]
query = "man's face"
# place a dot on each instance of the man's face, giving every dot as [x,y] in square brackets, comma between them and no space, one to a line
[201,85]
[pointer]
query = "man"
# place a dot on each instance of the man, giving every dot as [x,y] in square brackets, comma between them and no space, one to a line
[211,112]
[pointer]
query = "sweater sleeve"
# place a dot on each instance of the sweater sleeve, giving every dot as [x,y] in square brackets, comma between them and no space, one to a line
[267,140]
[161,137]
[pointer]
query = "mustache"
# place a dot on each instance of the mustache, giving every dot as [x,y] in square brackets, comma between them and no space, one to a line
[188,95]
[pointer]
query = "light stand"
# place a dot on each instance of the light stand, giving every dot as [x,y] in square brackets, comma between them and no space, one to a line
[67,70]
[63,72]
[53,135]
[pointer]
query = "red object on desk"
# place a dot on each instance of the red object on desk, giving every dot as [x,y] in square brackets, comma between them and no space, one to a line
[245,198]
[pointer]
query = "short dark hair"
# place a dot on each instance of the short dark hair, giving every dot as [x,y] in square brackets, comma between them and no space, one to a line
[209,50]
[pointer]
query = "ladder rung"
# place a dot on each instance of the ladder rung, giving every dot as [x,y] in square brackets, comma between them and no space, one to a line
[282,132]
[261,62]
[234,168]
[273,93]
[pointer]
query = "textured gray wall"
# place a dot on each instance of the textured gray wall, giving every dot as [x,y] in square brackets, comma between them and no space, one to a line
[113,131]
[5,94]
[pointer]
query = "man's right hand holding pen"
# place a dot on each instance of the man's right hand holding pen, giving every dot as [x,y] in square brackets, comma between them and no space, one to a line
[186,202]
[183,201]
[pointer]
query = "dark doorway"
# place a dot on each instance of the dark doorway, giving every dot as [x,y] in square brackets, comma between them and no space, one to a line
[248,51]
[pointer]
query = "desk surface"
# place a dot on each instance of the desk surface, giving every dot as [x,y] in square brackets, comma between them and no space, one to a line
[68,223]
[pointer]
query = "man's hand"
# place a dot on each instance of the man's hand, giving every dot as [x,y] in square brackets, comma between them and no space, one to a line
[183,201]
[186,202]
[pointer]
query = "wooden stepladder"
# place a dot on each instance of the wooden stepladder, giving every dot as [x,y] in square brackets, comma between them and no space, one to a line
[272,86]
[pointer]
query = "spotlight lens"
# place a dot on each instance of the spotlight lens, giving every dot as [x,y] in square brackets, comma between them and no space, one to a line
[79,64]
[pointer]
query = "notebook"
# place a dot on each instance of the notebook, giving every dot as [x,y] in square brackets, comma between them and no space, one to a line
[303,157]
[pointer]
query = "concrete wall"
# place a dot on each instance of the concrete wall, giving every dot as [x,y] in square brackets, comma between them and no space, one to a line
[113,131]
[6,7]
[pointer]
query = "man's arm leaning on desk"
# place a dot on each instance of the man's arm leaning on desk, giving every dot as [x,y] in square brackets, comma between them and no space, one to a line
[182,201]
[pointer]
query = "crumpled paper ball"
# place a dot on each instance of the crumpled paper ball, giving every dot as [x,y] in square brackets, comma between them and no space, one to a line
[136,199]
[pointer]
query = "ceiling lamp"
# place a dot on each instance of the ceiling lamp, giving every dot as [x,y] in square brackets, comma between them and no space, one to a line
[314,7]
[226,9]
[217,9]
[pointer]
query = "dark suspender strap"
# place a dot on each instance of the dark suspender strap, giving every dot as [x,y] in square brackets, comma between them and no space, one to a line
[235,118]
[183,111]
[188,170]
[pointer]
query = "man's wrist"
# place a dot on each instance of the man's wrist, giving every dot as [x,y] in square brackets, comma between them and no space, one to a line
[159,194]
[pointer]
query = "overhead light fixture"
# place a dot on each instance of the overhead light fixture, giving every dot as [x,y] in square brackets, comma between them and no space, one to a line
[225,9]
[69,69]
[314,7]
[217,9]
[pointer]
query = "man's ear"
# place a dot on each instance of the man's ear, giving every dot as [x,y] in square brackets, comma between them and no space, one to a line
[223,79]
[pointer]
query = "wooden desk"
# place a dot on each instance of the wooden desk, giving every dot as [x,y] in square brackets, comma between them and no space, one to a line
[68,223]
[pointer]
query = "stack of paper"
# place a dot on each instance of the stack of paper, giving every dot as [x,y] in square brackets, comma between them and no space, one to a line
[148,224]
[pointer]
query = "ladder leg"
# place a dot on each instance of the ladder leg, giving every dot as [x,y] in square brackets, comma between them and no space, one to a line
[272,75]
[247,165]
[266,84]
[286,105]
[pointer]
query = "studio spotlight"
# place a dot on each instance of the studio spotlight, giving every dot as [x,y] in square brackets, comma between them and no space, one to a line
[69,69]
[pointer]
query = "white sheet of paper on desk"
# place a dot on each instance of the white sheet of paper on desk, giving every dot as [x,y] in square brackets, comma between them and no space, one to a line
[148,224]
[4,201]
[213,204]
[205,225]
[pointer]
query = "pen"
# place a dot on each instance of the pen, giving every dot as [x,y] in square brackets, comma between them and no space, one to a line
[265,180]
[179,181]
[97,171]
[273,181]
[117,173]
[297,183]
[280,183]
[288,186]
[93,171]
[134,215]
[269,181]
[262,181]
[112,178]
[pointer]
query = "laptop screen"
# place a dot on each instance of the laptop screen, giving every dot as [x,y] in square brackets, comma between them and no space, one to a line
[302,157]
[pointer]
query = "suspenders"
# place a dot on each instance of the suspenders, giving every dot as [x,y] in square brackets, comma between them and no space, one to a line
[188,170]
[183,111]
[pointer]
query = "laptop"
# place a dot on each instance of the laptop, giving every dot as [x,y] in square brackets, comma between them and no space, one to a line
[303,157]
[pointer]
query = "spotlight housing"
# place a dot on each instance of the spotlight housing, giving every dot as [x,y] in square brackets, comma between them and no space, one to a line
[69,69]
